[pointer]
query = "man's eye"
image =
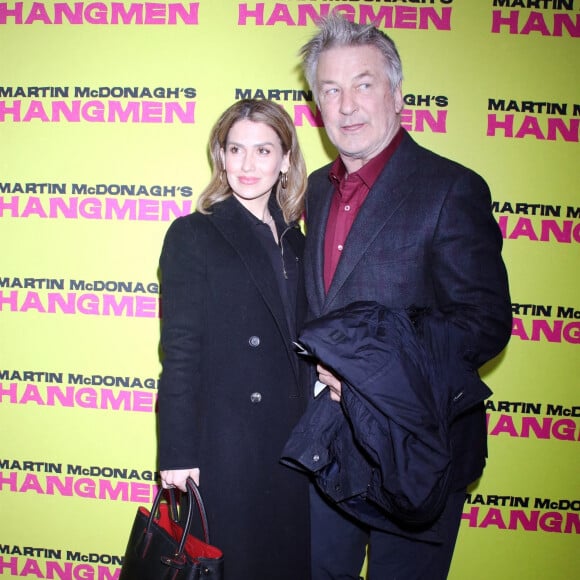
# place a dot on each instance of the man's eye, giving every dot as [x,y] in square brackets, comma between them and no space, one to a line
[330,92]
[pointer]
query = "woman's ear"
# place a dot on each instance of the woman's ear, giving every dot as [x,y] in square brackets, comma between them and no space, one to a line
[285,166]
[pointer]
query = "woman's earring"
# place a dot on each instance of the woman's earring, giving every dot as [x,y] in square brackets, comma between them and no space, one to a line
[284,180]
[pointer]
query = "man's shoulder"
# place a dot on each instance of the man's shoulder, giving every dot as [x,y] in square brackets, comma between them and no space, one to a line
[431,160]
[321,174]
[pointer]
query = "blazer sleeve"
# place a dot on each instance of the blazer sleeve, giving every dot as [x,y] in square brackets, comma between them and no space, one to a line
[182,266]
[470,278]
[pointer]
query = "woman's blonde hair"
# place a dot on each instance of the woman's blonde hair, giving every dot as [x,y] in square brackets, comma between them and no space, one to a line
[290,198]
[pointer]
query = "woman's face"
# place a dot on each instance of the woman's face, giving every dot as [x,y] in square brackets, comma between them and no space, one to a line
[253,159]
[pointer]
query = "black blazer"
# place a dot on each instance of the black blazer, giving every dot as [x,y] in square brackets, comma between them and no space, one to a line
[425,237]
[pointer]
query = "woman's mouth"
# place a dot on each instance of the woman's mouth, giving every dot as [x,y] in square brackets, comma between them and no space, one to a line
[248,180]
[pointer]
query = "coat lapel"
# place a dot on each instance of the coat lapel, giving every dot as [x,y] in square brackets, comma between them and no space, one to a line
[229,219]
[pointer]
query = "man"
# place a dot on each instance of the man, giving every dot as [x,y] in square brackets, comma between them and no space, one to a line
[394,223]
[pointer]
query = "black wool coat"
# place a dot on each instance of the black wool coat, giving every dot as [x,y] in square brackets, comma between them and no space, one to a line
[230,389]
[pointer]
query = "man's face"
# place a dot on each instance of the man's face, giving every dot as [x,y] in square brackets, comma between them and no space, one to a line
[361,114]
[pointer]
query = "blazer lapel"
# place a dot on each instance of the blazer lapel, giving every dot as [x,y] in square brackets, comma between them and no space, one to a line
[383,200]
[317,217]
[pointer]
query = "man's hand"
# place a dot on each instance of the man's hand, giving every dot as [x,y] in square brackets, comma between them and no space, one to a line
[326,377]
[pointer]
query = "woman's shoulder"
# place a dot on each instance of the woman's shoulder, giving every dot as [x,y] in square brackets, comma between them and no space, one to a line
[188,229]
[191,221]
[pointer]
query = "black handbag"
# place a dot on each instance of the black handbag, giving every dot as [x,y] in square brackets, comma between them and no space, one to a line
[161,548]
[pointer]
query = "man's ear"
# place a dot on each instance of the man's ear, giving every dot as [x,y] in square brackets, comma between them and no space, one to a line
[398,98]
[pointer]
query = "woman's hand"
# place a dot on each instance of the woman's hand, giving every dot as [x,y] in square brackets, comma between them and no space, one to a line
[178,477]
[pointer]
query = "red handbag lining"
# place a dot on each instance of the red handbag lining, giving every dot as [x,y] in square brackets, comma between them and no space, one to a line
[194,547]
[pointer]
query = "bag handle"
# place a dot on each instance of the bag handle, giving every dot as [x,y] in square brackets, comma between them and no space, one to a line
[179,560]
[194,494]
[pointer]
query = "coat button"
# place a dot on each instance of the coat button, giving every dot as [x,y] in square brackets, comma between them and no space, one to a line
[254,341]
[255,397]
[316,457]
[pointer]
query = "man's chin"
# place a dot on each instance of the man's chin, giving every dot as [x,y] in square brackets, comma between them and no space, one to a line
[352,153]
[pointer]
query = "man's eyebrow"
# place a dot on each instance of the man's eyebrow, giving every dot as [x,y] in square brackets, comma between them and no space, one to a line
[357,77]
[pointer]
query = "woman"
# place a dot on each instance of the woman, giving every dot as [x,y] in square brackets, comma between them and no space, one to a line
[231,278]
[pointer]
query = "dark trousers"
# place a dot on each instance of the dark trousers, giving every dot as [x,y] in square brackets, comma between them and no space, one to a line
[339,546]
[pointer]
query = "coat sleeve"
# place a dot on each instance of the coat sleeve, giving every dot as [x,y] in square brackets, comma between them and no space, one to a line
[182,267]
[470,278]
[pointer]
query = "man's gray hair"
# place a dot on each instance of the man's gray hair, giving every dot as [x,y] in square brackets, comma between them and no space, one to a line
[335,31]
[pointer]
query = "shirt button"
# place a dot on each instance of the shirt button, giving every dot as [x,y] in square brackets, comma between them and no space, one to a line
[340,247]
[254,341]
[347,208]
[255,397]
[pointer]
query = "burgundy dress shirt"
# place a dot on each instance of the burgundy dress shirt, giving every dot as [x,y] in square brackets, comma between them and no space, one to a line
[350,191]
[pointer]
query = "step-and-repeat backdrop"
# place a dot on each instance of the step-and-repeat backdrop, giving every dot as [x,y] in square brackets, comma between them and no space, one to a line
[105,111]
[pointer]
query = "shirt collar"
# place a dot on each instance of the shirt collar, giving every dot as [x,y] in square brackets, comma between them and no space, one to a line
[371,170]
[274,209]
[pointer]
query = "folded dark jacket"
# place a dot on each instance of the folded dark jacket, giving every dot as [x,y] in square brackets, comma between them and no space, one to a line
[383,455]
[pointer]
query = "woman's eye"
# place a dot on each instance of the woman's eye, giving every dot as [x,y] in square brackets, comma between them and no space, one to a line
[264,151]
[233,149]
